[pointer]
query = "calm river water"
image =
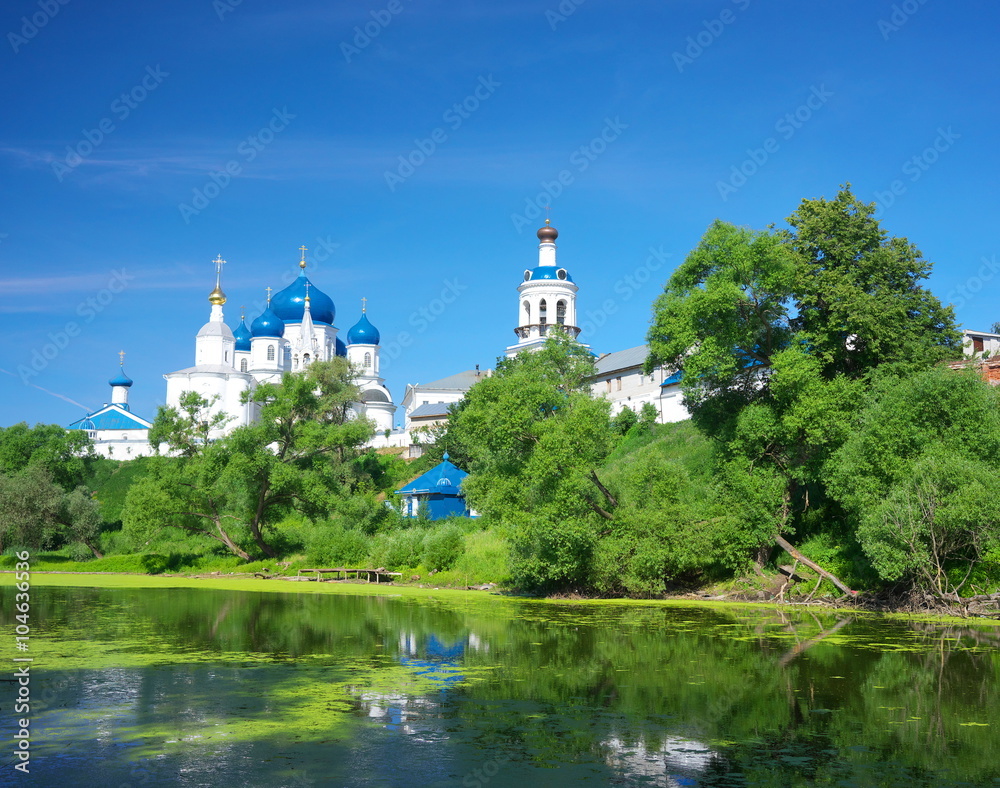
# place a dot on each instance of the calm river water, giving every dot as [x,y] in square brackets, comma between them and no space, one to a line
[208,687]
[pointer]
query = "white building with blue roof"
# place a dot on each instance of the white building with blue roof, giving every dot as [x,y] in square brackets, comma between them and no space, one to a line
[116,431]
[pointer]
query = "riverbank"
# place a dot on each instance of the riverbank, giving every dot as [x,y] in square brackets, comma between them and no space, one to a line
[861,605]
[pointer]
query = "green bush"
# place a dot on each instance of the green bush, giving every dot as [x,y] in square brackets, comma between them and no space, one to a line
[442,547]
[329,545]
[399,550]
[78,551]
[367,514]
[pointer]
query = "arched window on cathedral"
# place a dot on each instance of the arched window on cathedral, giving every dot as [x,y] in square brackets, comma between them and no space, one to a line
[368,360]
[270,352]
[243,365]
[542,313]
[561,312]
[526,306]
[305,360]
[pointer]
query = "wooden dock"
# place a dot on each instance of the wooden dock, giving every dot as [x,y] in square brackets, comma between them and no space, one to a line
[340,570]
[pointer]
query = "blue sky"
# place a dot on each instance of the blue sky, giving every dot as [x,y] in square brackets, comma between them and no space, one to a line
[408,143]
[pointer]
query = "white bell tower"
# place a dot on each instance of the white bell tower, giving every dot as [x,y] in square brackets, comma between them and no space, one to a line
[546,297]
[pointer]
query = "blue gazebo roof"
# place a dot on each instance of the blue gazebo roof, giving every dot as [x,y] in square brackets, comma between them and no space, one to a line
[444,478]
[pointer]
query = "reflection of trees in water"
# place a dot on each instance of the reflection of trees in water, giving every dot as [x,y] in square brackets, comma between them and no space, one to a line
[695,693]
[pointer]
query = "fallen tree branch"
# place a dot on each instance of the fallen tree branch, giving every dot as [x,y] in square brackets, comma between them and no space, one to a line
[603,512]
[785,545]
[604,490]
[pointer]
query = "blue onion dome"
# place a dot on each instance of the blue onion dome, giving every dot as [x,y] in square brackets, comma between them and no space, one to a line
[341,347]
[242,335]
[121,379]
[268,325]
[289,304]
[363,332]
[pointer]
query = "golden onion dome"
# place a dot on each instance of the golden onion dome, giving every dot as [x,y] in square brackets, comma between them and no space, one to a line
[217,297]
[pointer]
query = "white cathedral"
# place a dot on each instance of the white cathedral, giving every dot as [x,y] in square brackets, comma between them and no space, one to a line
[297,328]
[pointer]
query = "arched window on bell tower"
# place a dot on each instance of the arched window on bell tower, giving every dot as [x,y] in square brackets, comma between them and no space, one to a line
[270,352]
[243,365]
[561,312]
[526,306]
[542,313]
[368,360]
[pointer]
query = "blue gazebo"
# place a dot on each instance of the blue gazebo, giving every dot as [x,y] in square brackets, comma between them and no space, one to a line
[438,491]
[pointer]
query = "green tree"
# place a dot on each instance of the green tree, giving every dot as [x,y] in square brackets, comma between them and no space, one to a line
[39,514]
[918,475]
[301,454]
[778,333]
[858,296]
[624,421]
[186,430]
[63,453]
[535,439]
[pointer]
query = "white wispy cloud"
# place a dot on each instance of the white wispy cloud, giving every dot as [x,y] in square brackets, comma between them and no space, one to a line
[50,393]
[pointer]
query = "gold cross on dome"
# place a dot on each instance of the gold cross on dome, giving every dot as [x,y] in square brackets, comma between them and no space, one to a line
[302,262]
[547,219]
[364,304]
[121,357]
[219,262]
[269,291]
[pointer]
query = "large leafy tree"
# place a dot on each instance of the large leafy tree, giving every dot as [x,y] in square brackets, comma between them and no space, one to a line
[535,439]
[859,298]
[301,454]
[777,334]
